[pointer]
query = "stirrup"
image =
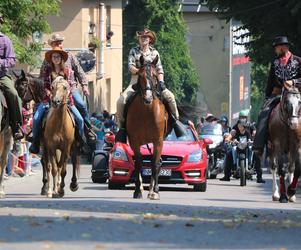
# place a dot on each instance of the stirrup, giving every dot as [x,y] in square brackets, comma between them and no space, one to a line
[121,136]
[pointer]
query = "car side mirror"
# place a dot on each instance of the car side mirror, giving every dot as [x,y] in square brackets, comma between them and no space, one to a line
[207,141]
[110,138]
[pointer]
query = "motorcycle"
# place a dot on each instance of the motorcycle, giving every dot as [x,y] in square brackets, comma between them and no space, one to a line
[244,168]
[215,151]
[100,160]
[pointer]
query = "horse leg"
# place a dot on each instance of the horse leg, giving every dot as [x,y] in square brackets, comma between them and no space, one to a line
[156,166]
[138,179]
[49,170]
[44,180]
[291,190]
[283,196]
[276,195]
[61,191]
[55,175]
[75,159]
[2,168]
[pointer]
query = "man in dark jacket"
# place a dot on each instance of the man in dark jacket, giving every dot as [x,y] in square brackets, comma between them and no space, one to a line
[285,71]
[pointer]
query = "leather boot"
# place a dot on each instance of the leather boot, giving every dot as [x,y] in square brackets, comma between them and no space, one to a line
[90,135]
[35,146]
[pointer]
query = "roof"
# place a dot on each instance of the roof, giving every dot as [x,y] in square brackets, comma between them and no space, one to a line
[193,6]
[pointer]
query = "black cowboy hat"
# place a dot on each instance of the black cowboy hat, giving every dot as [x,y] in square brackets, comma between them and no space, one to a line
[281,40]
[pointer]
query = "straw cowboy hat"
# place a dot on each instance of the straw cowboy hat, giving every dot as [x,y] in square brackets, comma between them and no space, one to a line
[48,54]
[146,32]
[55,38]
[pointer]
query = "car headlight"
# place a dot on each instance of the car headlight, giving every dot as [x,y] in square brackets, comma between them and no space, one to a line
[119,154]
[195,156]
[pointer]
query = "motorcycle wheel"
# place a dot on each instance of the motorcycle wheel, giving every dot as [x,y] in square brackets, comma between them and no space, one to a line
[243,179]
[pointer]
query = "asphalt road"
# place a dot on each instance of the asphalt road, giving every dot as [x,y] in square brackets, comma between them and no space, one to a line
[227,216]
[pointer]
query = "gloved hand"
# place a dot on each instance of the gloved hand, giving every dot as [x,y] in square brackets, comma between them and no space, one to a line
[161,86]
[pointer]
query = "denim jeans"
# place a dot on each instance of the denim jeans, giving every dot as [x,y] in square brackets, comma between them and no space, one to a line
[80,105]
[38,116]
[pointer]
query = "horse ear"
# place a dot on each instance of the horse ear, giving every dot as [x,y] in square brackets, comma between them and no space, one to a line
[15,74]
[155,61]
[141,60]
[23,74]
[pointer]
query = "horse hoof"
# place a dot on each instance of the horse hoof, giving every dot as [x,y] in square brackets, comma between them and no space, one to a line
[49,195]
[61,193]
[137,195]
[73,187]
[275,198]
[290,191]
[155,196]
[292,198]
[149,195]
[43,191]
[283,198]
[56,195]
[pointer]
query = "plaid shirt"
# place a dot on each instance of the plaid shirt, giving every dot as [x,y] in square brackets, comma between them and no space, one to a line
[149,56]
[46,76]
[77,72]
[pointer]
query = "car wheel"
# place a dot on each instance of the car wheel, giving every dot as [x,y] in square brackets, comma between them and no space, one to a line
[202,187]
[114,185]
[99,180]
[212,176]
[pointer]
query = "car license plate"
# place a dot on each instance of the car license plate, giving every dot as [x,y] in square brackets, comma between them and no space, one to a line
[163,172]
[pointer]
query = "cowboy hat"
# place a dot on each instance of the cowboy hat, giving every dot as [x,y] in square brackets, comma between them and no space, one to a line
[281,40]
[147,32]
[55,38]
[48,54]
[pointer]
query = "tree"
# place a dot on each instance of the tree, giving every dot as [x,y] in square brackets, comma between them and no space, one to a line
[22,19]
[163,17]
[264,20]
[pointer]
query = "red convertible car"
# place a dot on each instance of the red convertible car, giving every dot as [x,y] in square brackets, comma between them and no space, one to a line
[184,160]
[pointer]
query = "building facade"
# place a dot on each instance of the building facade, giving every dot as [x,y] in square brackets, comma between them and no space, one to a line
[223,69]
[86,22]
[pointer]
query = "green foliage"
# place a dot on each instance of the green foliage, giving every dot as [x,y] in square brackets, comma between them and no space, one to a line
[258,84]
[162,16]
[22,19]
[264,20]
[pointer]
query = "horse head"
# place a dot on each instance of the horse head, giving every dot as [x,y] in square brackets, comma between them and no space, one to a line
[59,91]
[21,85]
[147,79]
[291,99]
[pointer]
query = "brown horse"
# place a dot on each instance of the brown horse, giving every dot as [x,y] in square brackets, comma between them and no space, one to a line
[284,144]
[58,139]
[5,143]
[146,123]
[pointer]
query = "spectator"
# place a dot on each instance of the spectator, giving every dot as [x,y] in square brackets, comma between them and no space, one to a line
[98,127]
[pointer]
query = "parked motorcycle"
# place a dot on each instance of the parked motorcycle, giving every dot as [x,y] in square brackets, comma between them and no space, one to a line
[215,151]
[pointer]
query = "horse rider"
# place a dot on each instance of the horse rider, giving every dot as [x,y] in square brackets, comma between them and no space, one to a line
[55,68]
[285,71]
[14,103]
[72,63]
[251,130]
[146,38]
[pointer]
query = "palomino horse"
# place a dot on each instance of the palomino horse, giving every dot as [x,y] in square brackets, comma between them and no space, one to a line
[5,144]
[146,123]
[284,148]
[59,140]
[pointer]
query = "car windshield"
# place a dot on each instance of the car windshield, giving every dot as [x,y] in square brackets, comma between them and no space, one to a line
[188,137]
[212,129]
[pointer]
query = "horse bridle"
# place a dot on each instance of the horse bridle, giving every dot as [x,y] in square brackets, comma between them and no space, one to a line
[65,84]
[149,80]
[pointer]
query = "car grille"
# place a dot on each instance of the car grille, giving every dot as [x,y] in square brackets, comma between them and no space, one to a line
[167,160]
